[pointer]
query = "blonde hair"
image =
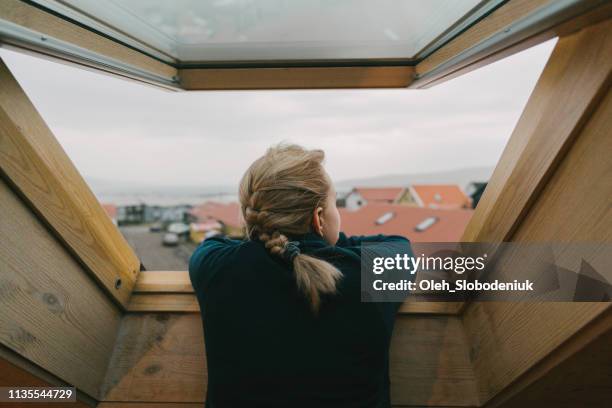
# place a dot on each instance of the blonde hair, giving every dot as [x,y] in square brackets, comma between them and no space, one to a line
[278,195]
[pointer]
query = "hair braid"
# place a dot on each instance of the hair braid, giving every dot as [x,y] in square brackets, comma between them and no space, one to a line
[278,194]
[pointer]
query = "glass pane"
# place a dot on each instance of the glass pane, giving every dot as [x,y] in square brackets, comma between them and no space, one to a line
[232,30]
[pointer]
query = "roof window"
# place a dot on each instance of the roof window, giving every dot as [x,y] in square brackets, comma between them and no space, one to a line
[386,217]
[426,224]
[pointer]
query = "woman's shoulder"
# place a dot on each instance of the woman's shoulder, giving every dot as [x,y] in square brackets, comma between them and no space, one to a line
[212,255]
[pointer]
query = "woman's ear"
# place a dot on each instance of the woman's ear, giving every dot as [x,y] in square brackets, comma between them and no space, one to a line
[317,221]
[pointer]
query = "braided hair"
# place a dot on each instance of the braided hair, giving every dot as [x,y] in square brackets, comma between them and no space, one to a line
[278,195]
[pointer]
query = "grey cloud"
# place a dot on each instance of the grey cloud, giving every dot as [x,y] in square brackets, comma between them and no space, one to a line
[100,120]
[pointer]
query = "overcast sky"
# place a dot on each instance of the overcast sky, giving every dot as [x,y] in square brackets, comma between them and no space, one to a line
[120,130]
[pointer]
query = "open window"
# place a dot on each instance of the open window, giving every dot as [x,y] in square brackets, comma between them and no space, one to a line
[77,308]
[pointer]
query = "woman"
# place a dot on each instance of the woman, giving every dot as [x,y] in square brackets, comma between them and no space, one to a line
[283,319]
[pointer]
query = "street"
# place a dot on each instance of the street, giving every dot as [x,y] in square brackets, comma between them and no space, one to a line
[153,255]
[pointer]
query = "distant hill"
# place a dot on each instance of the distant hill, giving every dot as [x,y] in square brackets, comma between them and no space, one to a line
[105,186]
[461,177]
[129,193]
[122,192]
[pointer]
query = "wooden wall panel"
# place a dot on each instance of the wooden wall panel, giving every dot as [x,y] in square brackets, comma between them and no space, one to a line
[509,339]
[577,375]
[164,302]
[171,291]
[430,365]
[575,79]
[35,163]
[159,357]
[188,303]
[163,281]
[51,312]
[576,204]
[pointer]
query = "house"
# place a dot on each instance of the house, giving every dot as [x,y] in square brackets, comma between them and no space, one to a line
[228,214]
[442,196]
[111,210]
[131,214]
[416,223]
[361,196]
[144,213]
[175,213]
[198,232]
[475,190]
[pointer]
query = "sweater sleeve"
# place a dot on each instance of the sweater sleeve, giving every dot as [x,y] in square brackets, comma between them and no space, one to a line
[356,240]
[381,246]
[206,260]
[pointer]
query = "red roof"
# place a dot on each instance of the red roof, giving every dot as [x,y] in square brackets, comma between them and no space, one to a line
[440,196]
[205,226]
[449,225]
[111,210]
[388,194]
[227,213]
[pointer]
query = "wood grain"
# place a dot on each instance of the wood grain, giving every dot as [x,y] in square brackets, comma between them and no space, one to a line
[22,14]
[429,363]
[509,340]
[171,291]
[159,357]
[163,281]
[576,203]
[427,307]
[35,163]
[573,82]
[164,302]
[577,374]
[296,78]
[575,206]
[53,314]
[188,303]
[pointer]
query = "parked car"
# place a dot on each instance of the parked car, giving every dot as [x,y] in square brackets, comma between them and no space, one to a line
[156,227]
[170,239]
[178,228]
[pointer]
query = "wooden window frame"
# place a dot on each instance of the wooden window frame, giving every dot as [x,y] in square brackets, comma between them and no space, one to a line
[33,162]
[506,30]
[113,263]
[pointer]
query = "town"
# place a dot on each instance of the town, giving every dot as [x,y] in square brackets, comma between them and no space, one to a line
[164,236]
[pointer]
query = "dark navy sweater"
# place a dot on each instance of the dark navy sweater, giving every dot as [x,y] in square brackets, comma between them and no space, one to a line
[265,347]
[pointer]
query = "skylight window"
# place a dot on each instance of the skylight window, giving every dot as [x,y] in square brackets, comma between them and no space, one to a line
[386,217]
[205,30]
[426,224]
